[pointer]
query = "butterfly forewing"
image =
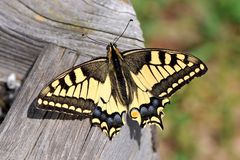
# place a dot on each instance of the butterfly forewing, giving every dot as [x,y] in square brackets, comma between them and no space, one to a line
[70,91]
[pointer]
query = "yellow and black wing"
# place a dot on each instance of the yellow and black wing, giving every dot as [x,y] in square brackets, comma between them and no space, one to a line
[158,73]
[85,90]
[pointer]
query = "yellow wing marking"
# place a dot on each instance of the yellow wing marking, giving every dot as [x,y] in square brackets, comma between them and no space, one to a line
[57,91]
[186,78]
[93,86]
[120,107]
[105,89]
[169,69]
[112,106]
[45,102]
[65,106]
[202,67]
[86,111]
[162,94]
[192,74]
[96,120]
[76,93]
[156,73]
[143,97]
[112,131]
[155,119]
[97,95]
[169,90]
[180,81]
[167,58]
[79,75]
[101,104]
[144,81]
[51,103]
[148,75]
[174,85]
[134,103]
[49,94]
[68,80]
[177,68]
[40,101]
[63,93]
[159,110]
[79,110]
[70,91]
[190,64]
[180,56]
[155,57]
[84,90]
[163,71]
[138,82]
[58,105]
[55,83]
[181,64]
[197,70]
[72,108]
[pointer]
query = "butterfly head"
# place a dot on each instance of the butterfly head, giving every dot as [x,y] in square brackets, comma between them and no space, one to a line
[113,51]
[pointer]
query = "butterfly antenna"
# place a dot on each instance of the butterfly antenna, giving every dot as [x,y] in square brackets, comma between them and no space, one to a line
[116,39]
[98,42]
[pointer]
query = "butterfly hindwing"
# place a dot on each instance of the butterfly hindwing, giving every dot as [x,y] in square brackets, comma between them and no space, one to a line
[147,109]
[85,90]
[110,116]
[158,74]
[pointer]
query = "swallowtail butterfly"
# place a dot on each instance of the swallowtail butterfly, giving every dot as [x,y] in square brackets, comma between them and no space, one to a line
[137,83]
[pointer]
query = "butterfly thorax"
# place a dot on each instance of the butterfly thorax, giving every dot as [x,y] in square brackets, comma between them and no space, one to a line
[117,75]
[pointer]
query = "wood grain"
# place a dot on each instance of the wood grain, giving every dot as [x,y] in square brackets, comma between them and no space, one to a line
[45,38]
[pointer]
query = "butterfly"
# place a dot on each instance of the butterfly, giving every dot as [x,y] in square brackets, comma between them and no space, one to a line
[136,83]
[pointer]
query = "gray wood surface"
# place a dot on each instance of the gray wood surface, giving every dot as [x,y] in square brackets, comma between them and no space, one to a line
[45,38]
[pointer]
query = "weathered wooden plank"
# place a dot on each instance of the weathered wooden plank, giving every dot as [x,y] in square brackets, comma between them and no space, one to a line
[30,134]
[26,26]
[60,23]
[16,55]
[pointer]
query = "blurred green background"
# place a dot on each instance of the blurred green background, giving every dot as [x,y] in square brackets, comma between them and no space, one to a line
[203,119]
